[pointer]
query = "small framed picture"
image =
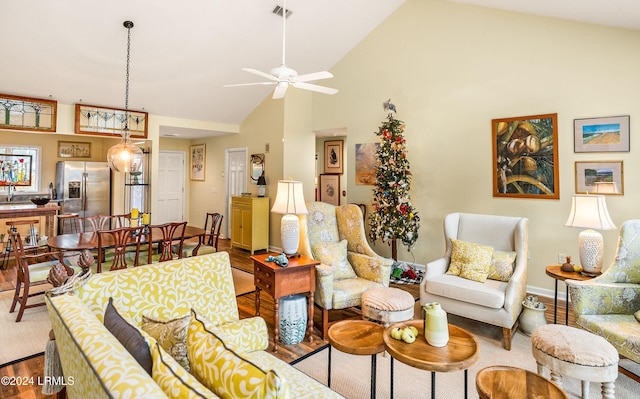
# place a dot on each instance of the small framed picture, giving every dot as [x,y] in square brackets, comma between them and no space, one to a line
[610,134]
[74,149]
[600,177]
[198,161]
[366,163]
[333,162]
[329,189]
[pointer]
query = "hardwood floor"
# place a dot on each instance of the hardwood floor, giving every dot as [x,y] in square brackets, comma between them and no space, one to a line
[33,367]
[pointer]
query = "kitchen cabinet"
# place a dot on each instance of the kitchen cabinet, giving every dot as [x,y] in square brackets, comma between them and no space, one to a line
[250,223]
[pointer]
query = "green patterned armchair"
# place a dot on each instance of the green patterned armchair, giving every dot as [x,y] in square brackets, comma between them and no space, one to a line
[335,236]
[606,304]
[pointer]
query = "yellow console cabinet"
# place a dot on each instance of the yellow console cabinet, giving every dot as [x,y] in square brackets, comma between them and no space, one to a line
[250,223]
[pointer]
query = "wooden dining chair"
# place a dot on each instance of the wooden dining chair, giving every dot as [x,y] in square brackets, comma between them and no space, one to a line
[208,242]
[113,248]
[32,270]
[95,223]
[166,237]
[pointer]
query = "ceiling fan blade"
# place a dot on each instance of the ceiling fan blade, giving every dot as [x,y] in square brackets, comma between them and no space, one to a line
[250,84]
[279,91]
[313,76]
[312,87]
[260,73]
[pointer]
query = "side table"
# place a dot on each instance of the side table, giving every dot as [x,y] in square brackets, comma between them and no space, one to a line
[298,277]
[512,382]
[555,271]
[358,337]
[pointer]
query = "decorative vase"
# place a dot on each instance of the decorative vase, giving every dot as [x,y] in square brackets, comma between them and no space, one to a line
[293,319]
[436,327]
[532,315]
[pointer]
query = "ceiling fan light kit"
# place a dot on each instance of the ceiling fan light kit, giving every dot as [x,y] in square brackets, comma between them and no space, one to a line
[283,76]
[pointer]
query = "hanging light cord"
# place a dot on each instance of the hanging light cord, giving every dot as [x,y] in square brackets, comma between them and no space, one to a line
[128,25]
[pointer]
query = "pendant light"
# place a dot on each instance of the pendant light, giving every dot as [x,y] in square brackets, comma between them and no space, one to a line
[124,156]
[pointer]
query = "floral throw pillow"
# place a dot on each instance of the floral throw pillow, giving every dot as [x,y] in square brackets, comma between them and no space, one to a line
[334,254]
[501,267]
[171,335]
[470,260]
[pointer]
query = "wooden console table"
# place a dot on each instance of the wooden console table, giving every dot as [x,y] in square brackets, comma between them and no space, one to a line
[298,277]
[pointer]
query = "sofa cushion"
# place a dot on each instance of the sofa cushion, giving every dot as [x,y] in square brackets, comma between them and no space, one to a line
[501,267]
[174,380]
[334,254]
[491,293]
[468,255]
[128,335]
[225,372]
[171,335]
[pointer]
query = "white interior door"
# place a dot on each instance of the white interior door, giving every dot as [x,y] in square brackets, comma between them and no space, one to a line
[169,200]
[236,182]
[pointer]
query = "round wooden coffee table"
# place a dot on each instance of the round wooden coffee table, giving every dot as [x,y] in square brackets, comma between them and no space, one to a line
[512,382]
[460,353]
[357,337]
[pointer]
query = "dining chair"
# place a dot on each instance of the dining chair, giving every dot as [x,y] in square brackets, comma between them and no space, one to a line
[97,222]
[166,237]
[123,220]
[33,270]
[117,241]
[208,241]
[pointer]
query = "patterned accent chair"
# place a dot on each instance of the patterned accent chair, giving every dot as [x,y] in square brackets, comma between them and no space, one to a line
[606,304]
[495,301]
[347,269]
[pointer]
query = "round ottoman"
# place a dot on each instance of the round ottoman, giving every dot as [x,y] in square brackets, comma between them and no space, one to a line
[387,305]
[571,352]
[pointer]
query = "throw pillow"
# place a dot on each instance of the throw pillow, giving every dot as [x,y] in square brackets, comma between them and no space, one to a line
[128,335]
[223,371]
[474,257]
[174,380]
[501,267]
[334,254]
[171,335]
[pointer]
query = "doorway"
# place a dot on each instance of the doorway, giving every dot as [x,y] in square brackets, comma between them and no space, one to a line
[169,200]
[236,178]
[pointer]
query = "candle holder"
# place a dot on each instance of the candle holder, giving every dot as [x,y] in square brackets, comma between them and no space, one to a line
[146,221]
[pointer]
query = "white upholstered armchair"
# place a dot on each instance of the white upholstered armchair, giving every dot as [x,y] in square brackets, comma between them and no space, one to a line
[493,301]
[334,235]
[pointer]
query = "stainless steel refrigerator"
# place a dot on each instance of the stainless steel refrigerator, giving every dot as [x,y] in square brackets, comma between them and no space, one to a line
[83,188]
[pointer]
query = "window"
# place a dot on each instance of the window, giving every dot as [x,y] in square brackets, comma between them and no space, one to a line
[17,150]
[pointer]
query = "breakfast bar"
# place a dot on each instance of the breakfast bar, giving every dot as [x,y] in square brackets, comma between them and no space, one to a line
[29,210]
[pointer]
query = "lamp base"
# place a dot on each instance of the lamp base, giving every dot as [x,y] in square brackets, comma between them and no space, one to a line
[290,234]
[591,246]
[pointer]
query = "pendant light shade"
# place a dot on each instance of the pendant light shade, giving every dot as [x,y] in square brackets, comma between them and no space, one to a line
[124,156]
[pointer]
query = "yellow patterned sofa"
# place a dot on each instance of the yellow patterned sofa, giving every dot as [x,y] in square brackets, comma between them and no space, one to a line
[96,365]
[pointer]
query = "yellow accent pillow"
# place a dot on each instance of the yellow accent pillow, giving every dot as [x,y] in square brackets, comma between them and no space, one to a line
[171,335]
[174,380]
[334,254]
[501,267]
[223,371]
[470,260]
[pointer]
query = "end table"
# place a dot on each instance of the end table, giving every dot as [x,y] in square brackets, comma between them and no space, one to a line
[555,271]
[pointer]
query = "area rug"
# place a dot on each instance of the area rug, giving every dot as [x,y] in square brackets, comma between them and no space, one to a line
[350,374]
[242,281]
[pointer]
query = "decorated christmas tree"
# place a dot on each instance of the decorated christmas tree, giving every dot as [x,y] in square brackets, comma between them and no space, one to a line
[393,217]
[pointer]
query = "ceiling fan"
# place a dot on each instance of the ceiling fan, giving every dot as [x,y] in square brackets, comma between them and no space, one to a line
[283,76]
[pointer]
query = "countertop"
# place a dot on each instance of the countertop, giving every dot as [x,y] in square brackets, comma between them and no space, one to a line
[8,210]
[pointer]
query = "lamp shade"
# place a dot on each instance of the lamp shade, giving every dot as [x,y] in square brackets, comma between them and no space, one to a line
[590,212]
[289,198]
[608,187]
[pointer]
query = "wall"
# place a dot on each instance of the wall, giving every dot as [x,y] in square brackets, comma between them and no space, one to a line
[451,68]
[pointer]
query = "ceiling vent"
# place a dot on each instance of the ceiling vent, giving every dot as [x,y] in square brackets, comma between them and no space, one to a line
[278,11]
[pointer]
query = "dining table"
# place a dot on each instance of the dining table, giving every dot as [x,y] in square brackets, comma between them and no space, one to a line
[89,240]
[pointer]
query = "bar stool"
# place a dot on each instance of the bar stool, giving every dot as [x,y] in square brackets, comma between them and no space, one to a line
[71,218]
[31,245]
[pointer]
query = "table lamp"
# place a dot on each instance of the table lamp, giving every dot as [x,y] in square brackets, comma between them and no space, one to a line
[606,187]
[590,212]
[289,202]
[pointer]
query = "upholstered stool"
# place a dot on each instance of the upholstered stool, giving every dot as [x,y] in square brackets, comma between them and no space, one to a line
[387,305]
[571,352]
[292,314]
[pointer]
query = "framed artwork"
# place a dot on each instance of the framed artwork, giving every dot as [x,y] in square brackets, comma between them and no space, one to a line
[329,189]
[333,162]
[366,163]
[26,113]
[600,177]
[74,149]
[104,121]
[610,134]
[198,161]
[525,157]
[15,169]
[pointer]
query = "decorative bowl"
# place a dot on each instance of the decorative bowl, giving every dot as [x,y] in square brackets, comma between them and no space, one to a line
[40,201]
